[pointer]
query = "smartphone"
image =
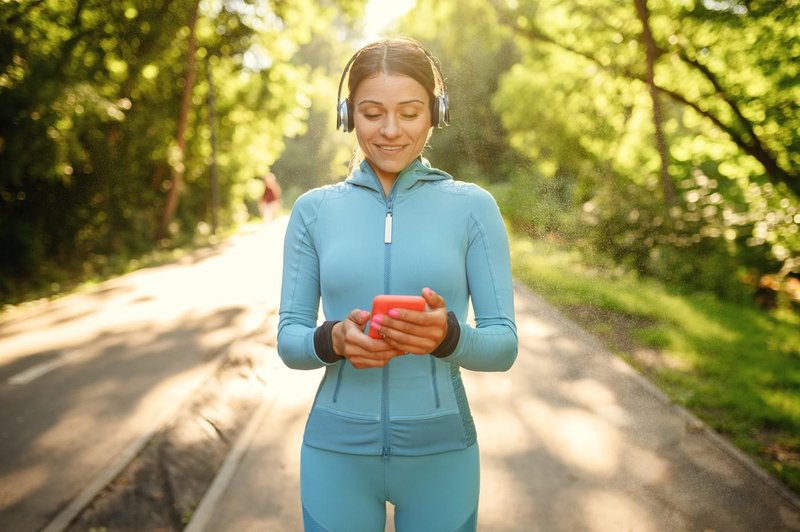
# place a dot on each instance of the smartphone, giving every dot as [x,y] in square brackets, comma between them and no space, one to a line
[385,302]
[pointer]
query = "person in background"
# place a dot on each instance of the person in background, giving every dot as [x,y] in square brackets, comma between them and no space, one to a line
[270,201]
[390,421]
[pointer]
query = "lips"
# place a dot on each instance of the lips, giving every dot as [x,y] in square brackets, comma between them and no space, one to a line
[390,149]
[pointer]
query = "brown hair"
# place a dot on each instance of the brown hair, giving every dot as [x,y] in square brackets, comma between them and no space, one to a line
[397,55]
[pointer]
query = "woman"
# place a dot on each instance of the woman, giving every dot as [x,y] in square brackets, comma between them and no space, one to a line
[390,421]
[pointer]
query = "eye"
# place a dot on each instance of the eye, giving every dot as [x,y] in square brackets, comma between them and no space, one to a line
[372,115]
[409,116]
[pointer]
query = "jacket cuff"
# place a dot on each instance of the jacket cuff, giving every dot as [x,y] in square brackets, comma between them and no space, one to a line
[450,342]
[323,343]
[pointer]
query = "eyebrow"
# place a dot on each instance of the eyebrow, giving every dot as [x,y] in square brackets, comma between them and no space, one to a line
[406,102]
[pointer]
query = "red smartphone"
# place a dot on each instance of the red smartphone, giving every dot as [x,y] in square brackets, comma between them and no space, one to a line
[385,302]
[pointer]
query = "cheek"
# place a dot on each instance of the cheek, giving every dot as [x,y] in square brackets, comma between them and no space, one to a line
[363,133]
[423,134]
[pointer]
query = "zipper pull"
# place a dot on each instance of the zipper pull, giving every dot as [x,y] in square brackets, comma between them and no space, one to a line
[387,229]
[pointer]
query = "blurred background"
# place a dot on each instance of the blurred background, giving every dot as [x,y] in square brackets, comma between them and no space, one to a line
[650,148]
[664,134]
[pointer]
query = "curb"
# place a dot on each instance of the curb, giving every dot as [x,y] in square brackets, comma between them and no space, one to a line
[66,516]
[69,513]
[205,508]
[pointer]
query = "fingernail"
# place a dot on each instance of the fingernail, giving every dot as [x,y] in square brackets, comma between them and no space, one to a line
[378,318]
[375,325]
[394,313]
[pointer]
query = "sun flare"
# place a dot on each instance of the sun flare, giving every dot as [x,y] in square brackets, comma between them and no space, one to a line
[380,14]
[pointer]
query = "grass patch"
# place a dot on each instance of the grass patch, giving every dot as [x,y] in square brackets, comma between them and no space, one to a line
[734,366]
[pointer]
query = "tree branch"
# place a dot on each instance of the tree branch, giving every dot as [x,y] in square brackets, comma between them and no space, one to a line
[753,147]
[754,141]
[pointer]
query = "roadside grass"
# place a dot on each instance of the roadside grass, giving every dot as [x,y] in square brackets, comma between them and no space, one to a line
[734,366]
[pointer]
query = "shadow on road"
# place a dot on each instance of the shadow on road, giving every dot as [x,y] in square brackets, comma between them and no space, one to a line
[69,424]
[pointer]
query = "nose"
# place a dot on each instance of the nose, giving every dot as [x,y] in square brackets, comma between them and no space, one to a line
[390,126]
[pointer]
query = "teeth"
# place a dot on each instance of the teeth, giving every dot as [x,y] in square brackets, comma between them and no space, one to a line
[390,148]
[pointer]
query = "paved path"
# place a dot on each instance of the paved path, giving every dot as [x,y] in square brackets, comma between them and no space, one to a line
[571,439]
[115,362]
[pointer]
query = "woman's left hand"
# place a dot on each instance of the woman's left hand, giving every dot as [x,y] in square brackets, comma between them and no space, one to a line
[411,331]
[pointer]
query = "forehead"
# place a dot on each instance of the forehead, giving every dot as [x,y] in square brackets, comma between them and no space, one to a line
[390,88]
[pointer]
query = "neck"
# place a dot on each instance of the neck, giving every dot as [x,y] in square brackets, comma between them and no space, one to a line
[387,181]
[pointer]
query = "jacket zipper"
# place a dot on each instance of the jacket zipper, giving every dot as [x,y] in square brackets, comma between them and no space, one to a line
[387,285]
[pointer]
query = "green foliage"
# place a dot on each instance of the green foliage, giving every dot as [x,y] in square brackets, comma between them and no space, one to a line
[321,154]
[734,366]
[474,146]
[577,107]
[66,92]
[90,94]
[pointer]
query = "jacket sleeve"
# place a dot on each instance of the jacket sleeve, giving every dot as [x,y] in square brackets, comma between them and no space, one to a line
[492,344]
[300,290]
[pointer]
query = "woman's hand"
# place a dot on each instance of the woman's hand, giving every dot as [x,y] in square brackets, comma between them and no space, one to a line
[362,351]
[411,331]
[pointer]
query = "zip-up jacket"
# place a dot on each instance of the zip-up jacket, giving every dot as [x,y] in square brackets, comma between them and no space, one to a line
[348,242]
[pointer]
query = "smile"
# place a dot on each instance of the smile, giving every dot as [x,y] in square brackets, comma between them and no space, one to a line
[390,148]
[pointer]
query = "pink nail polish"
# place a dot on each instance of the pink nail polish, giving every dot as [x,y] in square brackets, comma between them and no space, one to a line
[375,325]
[394,313]
[378,318]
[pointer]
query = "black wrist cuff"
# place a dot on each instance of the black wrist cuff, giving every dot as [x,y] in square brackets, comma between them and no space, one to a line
[450,342]
[323,343]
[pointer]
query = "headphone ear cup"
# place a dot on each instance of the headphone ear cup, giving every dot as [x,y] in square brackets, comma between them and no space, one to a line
[440,111]
[341,115]
[344,116]
[351,117]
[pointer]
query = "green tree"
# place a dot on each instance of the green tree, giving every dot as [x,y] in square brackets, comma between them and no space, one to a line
[321,154]
[90,107]
[474,146]
[578,103]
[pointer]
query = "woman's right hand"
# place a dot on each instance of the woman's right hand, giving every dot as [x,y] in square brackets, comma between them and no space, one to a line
[362,351]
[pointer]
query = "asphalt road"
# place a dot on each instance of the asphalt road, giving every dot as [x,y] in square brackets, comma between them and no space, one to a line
[571,438]
[86,379]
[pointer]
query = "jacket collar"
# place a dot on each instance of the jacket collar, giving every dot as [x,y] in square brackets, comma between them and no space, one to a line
[419,170]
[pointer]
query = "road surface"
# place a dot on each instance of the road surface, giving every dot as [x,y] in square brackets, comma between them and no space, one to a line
[86,379]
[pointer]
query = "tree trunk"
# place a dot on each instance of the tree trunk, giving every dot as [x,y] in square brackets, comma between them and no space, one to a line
[212,125]
[178,169]
[651,50]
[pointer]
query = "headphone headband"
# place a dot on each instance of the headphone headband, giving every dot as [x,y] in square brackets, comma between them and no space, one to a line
[342,121]
[440,106]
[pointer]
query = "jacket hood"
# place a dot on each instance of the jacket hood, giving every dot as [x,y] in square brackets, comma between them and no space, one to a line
[419,170]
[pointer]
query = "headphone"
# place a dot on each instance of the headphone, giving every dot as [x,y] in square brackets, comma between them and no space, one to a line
[440,106]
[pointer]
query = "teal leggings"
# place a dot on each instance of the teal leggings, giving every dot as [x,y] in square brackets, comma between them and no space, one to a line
[348,492]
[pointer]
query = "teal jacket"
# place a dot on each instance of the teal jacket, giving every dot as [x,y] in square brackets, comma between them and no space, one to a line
[346,243]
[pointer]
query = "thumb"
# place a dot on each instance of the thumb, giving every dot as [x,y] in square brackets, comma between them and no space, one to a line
[433,299]
[358,316]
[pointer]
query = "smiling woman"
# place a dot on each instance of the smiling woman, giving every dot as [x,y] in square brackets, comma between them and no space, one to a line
[393,123]
[391,422]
